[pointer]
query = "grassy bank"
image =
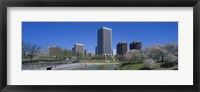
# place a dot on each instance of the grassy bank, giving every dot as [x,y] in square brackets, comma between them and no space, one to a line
[141,66]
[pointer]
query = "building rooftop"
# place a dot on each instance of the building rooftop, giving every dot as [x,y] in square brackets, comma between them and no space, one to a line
[79,44]
[136,42]
[52,46]
[103,27]
[123,42]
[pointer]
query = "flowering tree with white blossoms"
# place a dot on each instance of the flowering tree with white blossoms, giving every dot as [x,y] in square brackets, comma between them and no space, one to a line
[150,55]
[172,48]
[170,58]
[156,52]
[149,63]
[134,56]
[172,53]
[167,53]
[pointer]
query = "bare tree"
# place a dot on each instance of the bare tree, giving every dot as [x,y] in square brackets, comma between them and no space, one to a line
[32,49]
[24,47]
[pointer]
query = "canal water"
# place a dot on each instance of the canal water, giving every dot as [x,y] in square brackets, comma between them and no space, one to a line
[97,67]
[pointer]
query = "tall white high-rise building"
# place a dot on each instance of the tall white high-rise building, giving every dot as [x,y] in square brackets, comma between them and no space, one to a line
[114,52]
[53,51]
[79,49]
[104,41]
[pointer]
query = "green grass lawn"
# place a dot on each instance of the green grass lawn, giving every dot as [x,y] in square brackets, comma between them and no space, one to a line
[139,66]
[130,66]
[158,67]
[170,68]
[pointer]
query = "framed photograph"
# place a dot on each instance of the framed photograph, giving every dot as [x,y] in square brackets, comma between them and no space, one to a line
[85,45]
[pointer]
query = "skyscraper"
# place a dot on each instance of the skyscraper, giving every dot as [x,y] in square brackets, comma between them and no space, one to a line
[96,50]
[104,41]
[113,52]
[85,52]
[78,49]
[121,48]
[73,51]
[136,45]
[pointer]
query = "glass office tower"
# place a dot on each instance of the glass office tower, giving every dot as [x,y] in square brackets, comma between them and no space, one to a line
[104,41]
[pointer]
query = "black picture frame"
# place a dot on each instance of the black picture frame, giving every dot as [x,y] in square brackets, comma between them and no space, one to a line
[99,3]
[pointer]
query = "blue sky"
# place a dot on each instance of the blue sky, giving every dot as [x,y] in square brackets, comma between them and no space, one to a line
[66,34]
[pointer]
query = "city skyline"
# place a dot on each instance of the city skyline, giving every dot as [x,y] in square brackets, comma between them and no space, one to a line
[66,34]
